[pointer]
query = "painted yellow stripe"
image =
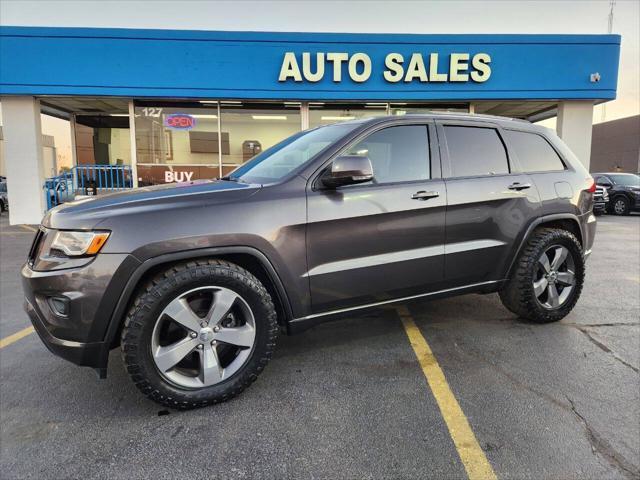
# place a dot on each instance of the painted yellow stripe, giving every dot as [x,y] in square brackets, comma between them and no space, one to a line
[473,458]
[29,227]
[6,341]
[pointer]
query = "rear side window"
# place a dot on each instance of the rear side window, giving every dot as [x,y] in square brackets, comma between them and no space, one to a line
[397,154]
[475,151]
[534,152]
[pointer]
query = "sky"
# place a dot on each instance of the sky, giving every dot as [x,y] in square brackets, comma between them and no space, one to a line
[453,16]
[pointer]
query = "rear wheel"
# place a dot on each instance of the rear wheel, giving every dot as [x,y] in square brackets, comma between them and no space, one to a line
[199,334]
[548,277]
[620,206]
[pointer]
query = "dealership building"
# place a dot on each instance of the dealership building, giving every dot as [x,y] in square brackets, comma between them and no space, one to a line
[177,105]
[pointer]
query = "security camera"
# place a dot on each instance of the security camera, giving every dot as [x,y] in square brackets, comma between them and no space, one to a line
[595,77]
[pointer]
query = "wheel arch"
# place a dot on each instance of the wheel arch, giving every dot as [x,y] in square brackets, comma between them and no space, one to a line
[564,221]
[248,258]
[617,196]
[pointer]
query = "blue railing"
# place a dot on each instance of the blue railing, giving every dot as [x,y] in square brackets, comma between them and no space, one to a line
[86,180]
[102,177]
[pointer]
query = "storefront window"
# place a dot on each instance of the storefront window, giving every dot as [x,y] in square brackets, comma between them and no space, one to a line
[250,128]
[325,114]
[177,142]
[103,140]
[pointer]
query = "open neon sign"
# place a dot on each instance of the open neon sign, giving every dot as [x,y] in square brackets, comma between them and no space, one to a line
[179,121]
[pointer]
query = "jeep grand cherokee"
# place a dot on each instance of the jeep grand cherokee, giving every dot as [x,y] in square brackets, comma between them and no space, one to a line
[195,281]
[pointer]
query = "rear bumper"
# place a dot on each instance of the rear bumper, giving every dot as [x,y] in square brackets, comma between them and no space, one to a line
[588,233]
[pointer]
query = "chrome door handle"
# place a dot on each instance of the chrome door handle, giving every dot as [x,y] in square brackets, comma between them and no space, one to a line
[422,195]
[519,186]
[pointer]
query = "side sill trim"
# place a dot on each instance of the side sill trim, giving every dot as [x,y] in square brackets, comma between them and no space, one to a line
[395,300]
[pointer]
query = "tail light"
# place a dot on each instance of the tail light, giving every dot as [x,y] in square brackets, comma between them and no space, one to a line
[592,188]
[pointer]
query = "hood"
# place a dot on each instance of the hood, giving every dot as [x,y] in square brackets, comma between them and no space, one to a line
[89,212]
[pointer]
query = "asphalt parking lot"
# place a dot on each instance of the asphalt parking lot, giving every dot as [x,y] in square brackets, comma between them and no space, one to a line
[349,399]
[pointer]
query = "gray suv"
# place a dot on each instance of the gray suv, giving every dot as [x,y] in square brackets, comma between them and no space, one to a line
[195,281]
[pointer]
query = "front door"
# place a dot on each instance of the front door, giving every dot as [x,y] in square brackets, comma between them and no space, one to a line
[381,240]
[489,203]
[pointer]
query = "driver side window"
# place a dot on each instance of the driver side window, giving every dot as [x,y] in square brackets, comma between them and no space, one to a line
[397,154]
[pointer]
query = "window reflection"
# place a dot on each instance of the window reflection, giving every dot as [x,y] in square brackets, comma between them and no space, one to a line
[325,114]
[176,143]
[250,128]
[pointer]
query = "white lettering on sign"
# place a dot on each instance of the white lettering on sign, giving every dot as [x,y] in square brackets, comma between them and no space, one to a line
[170,176]
[458,67]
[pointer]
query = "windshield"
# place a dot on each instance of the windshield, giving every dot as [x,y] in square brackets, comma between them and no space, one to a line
[278,161]
[626,180]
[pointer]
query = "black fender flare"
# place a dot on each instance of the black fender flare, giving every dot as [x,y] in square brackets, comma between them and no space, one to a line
[536,223]
[134,280]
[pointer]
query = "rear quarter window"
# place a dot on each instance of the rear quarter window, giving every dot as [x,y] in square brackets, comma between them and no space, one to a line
[534,152]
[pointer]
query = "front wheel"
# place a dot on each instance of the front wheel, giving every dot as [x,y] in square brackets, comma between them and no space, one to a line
[547,278]
[199,333]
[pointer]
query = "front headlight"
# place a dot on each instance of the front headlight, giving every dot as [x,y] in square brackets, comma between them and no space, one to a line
[76,244]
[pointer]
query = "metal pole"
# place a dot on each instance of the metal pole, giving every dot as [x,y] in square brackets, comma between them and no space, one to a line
[304,116]
[132,136]
[220,175]
[612,4]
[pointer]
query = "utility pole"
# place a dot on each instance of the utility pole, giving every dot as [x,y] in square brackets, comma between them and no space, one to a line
[612,4]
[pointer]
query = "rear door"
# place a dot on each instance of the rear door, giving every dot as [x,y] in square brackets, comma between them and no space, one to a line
[384,239]
[490,203]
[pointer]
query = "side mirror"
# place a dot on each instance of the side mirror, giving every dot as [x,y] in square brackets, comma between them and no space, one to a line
[348,170]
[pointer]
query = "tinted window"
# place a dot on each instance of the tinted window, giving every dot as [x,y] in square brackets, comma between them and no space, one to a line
[628,180]
[475,151]
[278,161]
[398,154]
[534,152]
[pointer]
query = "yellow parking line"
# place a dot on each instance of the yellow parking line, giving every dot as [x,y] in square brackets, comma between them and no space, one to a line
[473,458]
[29,227]
[5,342]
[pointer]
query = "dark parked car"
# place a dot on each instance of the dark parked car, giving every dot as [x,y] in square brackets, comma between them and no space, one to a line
[195,281]
[623,190]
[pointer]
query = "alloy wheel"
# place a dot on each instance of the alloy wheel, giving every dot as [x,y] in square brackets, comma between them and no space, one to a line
[619,207]
[554,279]
[203,337]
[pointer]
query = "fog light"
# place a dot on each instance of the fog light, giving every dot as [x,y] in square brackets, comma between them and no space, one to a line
[59,306]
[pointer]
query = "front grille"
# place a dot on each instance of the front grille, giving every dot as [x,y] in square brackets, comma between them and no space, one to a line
[35,247]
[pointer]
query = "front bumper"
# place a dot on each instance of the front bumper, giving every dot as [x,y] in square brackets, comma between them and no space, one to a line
[84,354]
[91,293]
[600,207]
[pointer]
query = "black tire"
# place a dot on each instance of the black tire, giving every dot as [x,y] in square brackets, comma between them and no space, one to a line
[620,206]
[153,298]
[518,294]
